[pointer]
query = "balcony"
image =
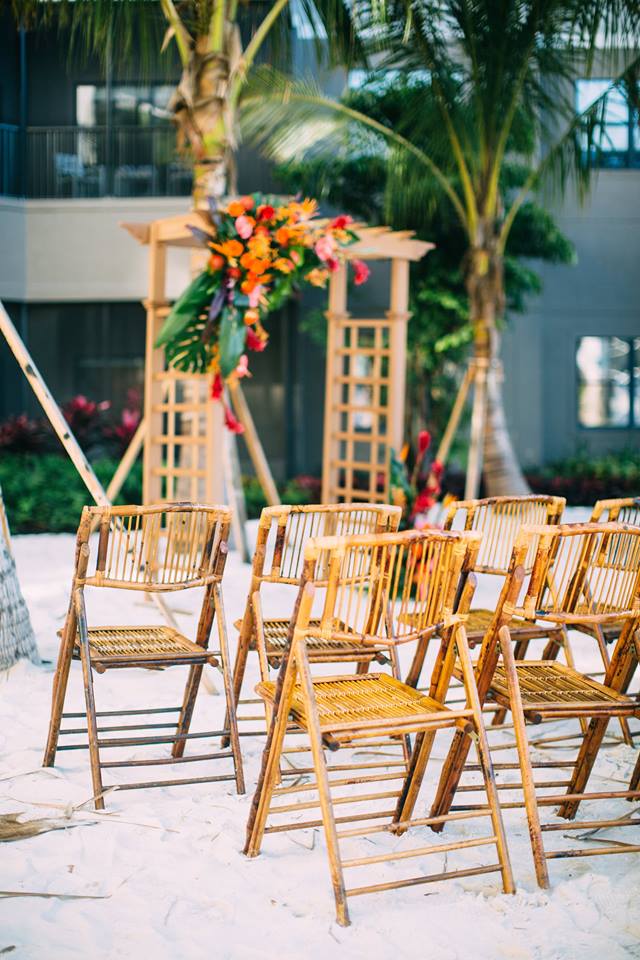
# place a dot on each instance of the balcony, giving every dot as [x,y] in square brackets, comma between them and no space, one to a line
[85,162]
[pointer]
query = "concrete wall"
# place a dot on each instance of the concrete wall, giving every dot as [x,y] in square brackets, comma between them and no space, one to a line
[600,296]
[76,250]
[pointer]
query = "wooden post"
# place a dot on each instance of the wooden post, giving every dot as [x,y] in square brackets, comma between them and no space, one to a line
[258,458]
[336,312]
[154,364]
[398,314]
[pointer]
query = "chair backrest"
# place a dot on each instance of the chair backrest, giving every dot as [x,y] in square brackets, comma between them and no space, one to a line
[172,546]
[499,519]
[582,572]
[284,531]
[620,510]
[396,586]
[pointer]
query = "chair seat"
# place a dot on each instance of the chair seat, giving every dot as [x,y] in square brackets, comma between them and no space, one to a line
[110,645]
[355,699]
[276,634]
[549,685]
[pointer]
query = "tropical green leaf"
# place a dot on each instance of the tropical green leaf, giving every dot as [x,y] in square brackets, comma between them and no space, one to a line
[233,333]
[188,307]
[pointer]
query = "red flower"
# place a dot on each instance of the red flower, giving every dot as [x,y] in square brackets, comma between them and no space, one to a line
[254,342]
[423,502]
[234,272]
[437,468]
[361,272]
[265,212]
[424,441]
[339,223]
[216,387]
[332,264]
[231,423]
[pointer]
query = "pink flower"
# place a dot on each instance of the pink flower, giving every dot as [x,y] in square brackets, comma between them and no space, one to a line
[244,226]
[254,296]
[295,256]
[361,272]
[242,370]
[325,247]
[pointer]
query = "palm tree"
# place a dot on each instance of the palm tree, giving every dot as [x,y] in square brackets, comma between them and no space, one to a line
[207,35]
[488,72]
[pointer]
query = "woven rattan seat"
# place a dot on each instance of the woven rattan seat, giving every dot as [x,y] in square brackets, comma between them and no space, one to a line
[480,620]
[111,644]
[352,699]
[276,632]
[547,683]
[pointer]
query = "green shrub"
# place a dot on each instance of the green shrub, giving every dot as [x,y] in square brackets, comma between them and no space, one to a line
[583,479]
[44,493]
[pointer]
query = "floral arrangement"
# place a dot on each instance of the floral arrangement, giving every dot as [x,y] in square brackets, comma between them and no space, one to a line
[415,489]
[260,250]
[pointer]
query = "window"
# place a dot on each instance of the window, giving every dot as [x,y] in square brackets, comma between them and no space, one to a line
[131,105]
[608,371]
[617,134]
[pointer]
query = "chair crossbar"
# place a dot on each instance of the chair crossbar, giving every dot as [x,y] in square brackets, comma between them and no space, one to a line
[417,881]
[420,851]
[310,804]
[145,785]
[140,741]
[308,824]
[344,782]
[589,852]
[589,824]
[167,761]
[123,713]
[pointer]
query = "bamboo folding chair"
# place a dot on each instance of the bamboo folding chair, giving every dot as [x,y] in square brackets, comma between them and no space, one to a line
[278,559]
[582,574]
[156,549]
[388,589]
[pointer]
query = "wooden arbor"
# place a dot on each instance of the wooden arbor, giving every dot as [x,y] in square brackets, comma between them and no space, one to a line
[365,387]
[366,374]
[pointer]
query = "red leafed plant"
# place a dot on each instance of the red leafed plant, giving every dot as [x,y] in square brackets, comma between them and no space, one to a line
[415,488]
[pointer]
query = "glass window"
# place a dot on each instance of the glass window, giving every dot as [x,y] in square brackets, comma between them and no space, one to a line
[131,104]
[608,381]
[616,135]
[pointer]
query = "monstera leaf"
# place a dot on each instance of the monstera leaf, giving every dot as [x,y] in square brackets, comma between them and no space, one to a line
[188,307]
[233,333]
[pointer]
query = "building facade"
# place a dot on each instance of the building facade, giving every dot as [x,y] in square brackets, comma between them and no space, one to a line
[83,149]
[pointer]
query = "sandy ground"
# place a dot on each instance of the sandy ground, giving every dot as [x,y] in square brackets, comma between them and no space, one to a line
[162,875]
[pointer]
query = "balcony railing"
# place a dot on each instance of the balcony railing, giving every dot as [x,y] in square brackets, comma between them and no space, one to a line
[60,162]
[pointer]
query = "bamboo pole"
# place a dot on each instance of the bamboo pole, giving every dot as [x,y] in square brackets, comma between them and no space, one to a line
[256,452]
[478,417]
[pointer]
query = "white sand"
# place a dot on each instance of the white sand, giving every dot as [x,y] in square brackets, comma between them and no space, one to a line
[172,881]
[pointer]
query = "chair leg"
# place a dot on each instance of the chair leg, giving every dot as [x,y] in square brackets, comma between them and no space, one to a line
[522,744]
[60,682]
[239,670]
[92,726]
[186,713]
[324,792]
[270,770]
[519,652]
[228,687]
[604,653]
[634,783]
[584,765]
[413,781]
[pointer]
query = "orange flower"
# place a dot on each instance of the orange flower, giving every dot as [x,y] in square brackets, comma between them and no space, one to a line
[248,285]
[317,278]
[259,245]
[251,317]
[236,208]
[259,266]
[284,265]
[282,236]
[229,249]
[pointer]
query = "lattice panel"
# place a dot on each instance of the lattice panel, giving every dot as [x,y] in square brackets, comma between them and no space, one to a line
[182,461]
[358,460]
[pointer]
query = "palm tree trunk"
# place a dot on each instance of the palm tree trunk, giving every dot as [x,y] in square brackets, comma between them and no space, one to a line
[205,117]
[16,633]
[485,286]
